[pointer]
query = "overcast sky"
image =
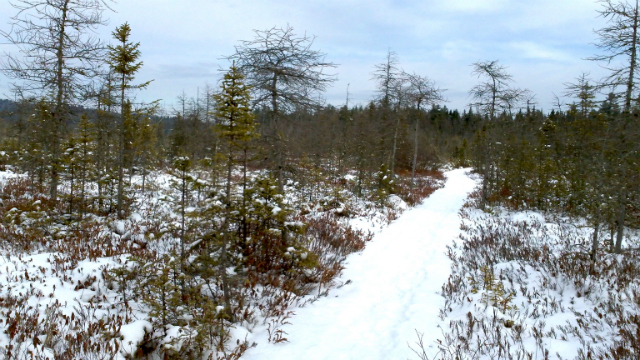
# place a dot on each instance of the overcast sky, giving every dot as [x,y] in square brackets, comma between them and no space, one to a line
[542,42]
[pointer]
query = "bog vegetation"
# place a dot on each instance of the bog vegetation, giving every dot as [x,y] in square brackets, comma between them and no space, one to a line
[129,234]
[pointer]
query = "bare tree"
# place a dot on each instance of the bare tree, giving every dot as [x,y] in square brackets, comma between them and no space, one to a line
[512,98]
[620,40]
[389,79]
[390,88]
[284,73]
[529,100]
[495,92]
[58,51]
[421,91]
[557,102]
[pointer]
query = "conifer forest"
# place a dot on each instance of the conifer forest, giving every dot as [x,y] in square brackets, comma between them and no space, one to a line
[255,220]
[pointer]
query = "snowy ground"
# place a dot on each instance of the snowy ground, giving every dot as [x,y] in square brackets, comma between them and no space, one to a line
[55,291]
[391,289]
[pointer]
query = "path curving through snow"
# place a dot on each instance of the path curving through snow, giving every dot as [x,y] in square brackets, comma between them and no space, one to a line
[393,290]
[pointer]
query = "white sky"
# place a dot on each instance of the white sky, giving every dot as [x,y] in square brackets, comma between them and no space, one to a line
[542,42]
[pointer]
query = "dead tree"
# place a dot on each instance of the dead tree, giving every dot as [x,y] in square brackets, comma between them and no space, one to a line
[421,91]
[620,40]
[490,95]
[390,95]
[58,51]
[284,74]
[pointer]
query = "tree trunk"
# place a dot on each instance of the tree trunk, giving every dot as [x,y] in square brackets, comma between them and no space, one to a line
[58,116]
[622,212]
[183,205]
[611,236]
[279,150]
[392,162]
[119,206]
[225,240]
[594,246]
[494,96]
[72,180]
[144,178]
[632,62]
[244,197]
[83,185]
[415,150]
[119,209]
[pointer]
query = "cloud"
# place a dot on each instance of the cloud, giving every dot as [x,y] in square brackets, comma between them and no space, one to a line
[459,50]
[187,71]
[183,43]
[535,51]
[472,6]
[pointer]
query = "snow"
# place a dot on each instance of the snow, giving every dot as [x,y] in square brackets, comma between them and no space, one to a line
[133,333]
[390,290]
[554,305]
[119,227]
[6,175]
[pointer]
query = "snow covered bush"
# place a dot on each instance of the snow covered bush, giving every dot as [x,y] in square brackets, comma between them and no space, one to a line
[152,284]
[526,287]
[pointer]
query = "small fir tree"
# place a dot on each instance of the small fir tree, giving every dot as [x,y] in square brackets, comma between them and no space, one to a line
[123,59]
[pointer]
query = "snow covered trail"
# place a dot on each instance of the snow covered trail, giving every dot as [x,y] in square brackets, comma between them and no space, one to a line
[393,290]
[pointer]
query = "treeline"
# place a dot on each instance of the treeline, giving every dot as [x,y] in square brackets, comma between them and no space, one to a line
[579,162]
[578,159]
[583,160]
[340,140]
[353,139]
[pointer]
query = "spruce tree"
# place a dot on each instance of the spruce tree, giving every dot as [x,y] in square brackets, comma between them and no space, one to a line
[123,59]
[236,127]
